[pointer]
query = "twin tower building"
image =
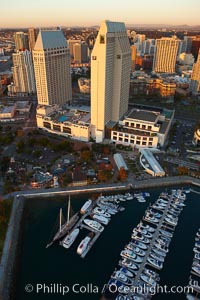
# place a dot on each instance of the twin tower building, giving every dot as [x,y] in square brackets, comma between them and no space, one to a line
[110,74]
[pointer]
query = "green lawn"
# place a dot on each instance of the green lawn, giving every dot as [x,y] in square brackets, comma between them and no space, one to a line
[5,211]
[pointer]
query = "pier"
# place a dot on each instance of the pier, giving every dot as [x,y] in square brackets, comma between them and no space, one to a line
[154,238]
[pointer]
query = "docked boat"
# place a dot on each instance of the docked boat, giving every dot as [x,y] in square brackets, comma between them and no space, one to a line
[97,210]
[120,276]
[101,219]
[151,273]
[170,221]
[126,272]
[94,225]
[196,269]
[131,255]
[86,207]
[146,227]
[197,256]
[65,227]
[139,237]
[70,238]
[157,257]
[139,244]
[155,263]
[195,284]
[159,252]
[166,233]
[161,247]
[128,264]
[149,280]
[196,250]
[144,232]
[83,245]
[136,249]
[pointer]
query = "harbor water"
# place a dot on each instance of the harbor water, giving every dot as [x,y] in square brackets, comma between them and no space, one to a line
[49,273]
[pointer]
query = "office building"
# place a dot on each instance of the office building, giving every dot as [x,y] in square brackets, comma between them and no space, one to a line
[31,38]
[21,41]
[80,51]
[195,78]
[23,74]
[165,55]
[195,47]
[71,44]
[51,60]
[133,57]
[110,77]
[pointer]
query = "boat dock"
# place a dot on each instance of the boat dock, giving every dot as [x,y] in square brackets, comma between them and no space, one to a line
[97,234]
[196,192]
[155,237]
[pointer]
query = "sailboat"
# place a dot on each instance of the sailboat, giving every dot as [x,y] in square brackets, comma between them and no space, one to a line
[66,227]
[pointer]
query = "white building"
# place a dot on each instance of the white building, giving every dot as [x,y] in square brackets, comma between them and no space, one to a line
[52,68]
[23,73]
[150,164]
[165,55]
[73,122]
[110,76]
[143,128]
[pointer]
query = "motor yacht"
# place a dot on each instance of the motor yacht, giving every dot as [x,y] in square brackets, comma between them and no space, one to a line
[94,225]
[70,238]
[136,249]
[155,263]
[131,255]
[149,280]
[101,219]
[120,276]
[128,264]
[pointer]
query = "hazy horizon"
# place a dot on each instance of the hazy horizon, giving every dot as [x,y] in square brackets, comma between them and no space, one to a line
[87,13]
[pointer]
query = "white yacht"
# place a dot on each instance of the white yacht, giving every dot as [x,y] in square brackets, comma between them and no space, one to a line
[136,249]
[83,245]
[128,264]
[139,237]
[131,255]
[101,212]
[94,225]
[196,269]
[126,272]
[101,219]
[170,221]
[139,244]
[120,276]
[155,263]
[157,257]
[70,238]
[166,233]
[86,206]
[148,280]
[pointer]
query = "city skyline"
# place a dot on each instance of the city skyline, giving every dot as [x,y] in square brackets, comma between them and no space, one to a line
[86,14]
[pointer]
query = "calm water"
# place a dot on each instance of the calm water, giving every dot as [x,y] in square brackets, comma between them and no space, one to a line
[56,265]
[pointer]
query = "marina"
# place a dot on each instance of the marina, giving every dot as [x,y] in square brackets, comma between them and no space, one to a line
[101,260]
[157,243]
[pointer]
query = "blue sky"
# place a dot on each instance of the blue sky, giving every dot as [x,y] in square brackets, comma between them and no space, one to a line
[87,12]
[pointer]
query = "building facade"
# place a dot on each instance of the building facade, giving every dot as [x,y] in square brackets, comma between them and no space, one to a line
[52,68]
[165,55]
[80,51]
[110,76]
[23,73]
[195,78]
[143,128]
[31,38]
[21,41]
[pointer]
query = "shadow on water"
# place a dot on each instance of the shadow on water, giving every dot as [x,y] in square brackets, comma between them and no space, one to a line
[57,266]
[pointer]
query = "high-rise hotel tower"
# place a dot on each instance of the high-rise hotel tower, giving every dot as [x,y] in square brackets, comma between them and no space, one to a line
[195,78]
[110,77]
[165,55]
[51,60]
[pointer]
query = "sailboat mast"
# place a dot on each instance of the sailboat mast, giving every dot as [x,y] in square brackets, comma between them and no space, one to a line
[60,218]
[68,211]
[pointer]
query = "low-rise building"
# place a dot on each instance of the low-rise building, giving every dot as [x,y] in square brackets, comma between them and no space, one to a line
[7,112]
[143,127]
[150,164]
[72,122]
